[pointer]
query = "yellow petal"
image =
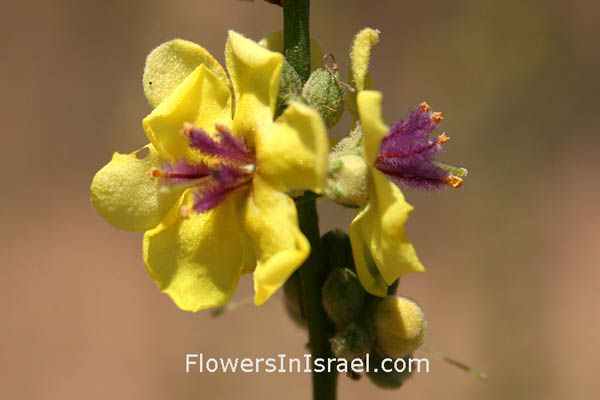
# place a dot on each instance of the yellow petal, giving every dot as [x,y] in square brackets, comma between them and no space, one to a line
[255,73]
[270,219]
[358,67]
[249,254]
[360,55]
[202,99]
[292,152]
[380,226]
[126,196]
[367,271]
[274,42]
[373,128]
[197,260]
[170,63]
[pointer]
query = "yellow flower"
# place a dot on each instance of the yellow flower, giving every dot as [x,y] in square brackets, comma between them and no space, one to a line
[211,216]
[381,251]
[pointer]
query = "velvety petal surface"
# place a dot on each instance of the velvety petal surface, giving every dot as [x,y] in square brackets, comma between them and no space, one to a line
[292,152]
[381,227]
[360,55]
[170,63]
[126,196]
[358,66]
[201,99]
[197,260]
[373,128]
[255,73]
[274,42]
[271,221]
[366,269]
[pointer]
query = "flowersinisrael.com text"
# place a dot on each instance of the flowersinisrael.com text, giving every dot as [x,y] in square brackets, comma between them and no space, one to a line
[198,362]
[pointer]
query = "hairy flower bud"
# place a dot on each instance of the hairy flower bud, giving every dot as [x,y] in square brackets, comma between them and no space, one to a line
[399,326]
[292,299]
[290,86]
[347,176]
[323,92]
[347,182]
[391,379]
[353,342]
[343,297]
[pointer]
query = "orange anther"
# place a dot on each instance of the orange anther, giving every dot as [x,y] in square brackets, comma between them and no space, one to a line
[222,128]
[187,128]
[185,211]
[425,107]
[443,138]
[437,117]
[154,172]
[454,181]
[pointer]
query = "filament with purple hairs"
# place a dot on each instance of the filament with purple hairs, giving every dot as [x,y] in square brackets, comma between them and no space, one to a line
[231,167]
[228,147]
[407,153]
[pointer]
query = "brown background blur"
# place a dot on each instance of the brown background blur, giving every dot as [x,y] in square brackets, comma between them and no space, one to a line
[512,261]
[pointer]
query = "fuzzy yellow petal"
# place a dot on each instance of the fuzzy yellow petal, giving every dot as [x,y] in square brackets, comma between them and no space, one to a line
[170,63]
[367,271]
[270,219]
[255,73]
[373,128]
[292,152]
[197,260]
[381,227]
[202,99]
[358,67]
[360,55]
[274,42]
[126,196]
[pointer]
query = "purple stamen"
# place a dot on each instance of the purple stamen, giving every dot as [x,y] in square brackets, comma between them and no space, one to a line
[214,193]
[236,147]
[213,182]
[406,153]
[418,175]
[228,147]
[182,171]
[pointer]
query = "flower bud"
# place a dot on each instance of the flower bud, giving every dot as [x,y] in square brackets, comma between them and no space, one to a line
[323,92]
[290,86]
[399,326]
[387,380]
[347,177]
[353,342]
[347,181]
[343,297]
[291,292]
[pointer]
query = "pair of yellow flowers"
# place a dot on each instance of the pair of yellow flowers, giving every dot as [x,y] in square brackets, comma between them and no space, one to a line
[197,258]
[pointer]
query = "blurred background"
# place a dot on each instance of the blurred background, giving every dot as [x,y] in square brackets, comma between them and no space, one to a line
[512,261]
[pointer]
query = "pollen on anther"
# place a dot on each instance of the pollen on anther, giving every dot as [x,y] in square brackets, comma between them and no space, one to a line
[425,107]
[187,128]
[221,128]
[454,181]
[153,172]
[437,117]
[185,211]
[443,138]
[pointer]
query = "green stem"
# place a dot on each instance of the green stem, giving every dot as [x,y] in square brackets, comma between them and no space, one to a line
[296,36]
[319,327]
[296,41]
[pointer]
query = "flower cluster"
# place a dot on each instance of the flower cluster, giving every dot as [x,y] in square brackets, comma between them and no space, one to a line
[230,149]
